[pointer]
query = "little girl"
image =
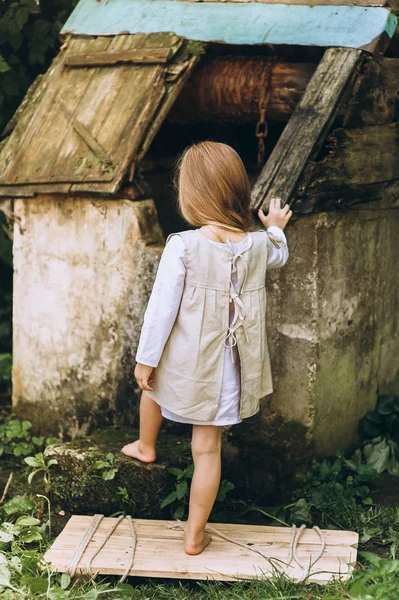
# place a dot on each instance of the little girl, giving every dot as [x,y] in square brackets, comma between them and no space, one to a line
[202,357]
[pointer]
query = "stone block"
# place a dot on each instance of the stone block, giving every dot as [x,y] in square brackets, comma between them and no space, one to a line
[333,324]
[83,272]
[77,485]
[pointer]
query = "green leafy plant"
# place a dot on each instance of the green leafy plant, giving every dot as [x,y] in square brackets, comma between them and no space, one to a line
[108,467]
[39,465]
[181,494]
[128,505]
[379,581]
[28,41]
[16,438]
[384,421]
[18,523]
[23,571]
[5,367]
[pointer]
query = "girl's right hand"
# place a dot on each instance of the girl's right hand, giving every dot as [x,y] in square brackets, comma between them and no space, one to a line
[143,377]
[276,216]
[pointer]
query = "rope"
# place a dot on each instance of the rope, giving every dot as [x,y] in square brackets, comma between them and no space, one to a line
[307,568]
[84,542]
[132,550]
[87,536]
[179,526]
[101,546]
[293,548]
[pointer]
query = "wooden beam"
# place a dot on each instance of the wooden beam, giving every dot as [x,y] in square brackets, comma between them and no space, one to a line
[136,56]
[360,165]
[308,126]
[372,101]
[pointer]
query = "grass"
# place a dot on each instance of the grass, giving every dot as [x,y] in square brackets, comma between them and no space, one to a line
[337,493]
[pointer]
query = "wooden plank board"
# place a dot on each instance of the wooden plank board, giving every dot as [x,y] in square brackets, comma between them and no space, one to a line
[357,166]
[159,551]
[86,128]
[373,99]
[308,126]
[237,23]
[99,59]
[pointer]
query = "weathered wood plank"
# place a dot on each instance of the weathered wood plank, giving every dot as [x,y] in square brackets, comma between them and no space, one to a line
[29,191]
[16,139]
[373,99]
[237,23]
[375,196]
[306,129]
[98,59]
[172,92]
[358,168]
[159,551]
[44,139]
[95,120]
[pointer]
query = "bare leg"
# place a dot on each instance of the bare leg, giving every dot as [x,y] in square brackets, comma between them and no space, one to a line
[150,422]
[206,449]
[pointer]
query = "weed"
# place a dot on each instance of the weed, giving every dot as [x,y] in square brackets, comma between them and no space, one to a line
[40,466]
[108,467]
[180,496]
[16,438]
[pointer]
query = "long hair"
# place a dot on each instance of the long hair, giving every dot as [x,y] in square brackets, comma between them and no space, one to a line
[212,187]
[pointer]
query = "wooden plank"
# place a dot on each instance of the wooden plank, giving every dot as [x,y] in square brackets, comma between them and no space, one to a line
[170,97]
[149,56]
[44,137]
[308,126]
[357,166]
[159,551]
[98,118]
[376,196]
[236,23]
[373,99]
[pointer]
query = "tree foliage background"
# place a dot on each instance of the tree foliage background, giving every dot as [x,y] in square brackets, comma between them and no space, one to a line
[28,42]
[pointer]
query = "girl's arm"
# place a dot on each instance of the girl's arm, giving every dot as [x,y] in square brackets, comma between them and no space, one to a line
[277,252]
[275,221]
[163,304]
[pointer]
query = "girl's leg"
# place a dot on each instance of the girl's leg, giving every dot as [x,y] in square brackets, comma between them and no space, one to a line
[150,422]
[206,449]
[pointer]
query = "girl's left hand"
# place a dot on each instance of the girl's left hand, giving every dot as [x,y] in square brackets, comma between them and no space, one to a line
[276,216]
[143,375]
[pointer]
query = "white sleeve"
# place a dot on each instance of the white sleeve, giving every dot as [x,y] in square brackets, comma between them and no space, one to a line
[164,303]
[276,257]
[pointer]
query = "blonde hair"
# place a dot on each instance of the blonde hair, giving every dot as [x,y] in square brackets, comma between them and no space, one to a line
[213,187]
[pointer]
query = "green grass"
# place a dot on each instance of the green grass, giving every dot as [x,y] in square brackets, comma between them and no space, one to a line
[336,494]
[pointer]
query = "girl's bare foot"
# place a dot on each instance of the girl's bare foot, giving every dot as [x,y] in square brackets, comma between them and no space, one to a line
[195,544]
[135,450]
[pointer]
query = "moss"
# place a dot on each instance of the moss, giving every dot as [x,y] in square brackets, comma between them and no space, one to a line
[78,487]
[263,455]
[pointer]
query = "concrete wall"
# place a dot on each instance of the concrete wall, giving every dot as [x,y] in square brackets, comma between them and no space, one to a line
[333,323]
[83,271]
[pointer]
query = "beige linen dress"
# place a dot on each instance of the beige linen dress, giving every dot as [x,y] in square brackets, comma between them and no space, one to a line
[189,376]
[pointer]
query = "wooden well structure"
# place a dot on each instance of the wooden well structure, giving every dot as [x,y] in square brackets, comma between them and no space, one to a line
[87,239]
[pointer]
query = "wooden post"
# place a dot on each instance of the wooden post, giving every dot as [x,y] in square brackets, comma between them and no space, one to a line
[308,126]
